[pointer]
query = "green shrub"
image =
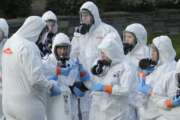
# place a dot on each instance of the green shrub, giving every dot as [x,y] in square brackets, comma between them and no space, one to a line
[64,7]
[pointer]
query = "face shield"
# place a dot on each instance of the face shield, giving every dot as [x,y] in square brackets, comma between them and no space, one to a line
[86,17]
[129,41]
[62,53]
[51,26]
[154,54]
[86,21]
[102,66]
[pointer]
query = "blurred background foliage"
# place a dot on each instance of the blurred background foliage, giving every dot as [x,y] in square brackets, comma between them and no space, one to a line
[21,8]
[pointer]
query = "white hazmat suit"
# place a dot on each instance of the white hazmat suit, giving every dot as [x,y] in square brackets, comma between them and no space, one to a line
[5,29]
[85,46]
[166,64]
[24,86]
[47,35]
[113,106]
[141,50]
[58,107]
[165,90]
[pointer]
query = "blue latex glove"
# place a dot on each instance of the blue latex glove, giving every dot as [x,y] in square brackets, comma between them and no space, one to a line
[55,90]
[77,92]
[98,87]
[176,101]
[53,77]
[143,87]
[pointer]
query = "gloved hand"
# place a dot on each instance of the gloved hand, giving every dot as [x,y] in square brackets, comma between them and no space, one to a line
[101,87]
[79,89]
[98,68]
[143,87]
[98,87]
[77,92]
[176,101]
[147,63]
[53,77]
[144,63]
[108,89]
[170,103]
[55,89]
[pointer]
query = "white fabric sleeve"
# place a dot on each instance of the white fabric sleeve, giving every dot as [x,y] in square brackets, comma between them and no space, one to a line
[164,90]
[48,68]
[32,64]
[159,101]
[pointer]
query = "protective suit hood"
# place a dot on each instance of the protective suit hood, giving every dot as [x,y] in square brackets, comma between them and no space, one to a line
[112,48]
[91,7]
[140,50]
[49,15]
[139,31]
[59,39]
[165,49]
[31,28]
[4,27]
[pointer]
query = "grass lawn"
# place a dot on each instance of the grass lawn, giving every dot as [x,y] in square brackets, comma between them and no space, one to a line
[175,41]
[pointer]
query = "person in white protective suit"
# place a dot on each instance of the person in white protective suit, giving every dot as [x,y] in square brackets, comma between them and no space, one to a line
[59,107]
[25,88]
[135,49]
[77,80]
[163,57]
[114,70]
[86,38]
[47,35]
[134,43]
[89,34]
[4,31]
[167,95]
